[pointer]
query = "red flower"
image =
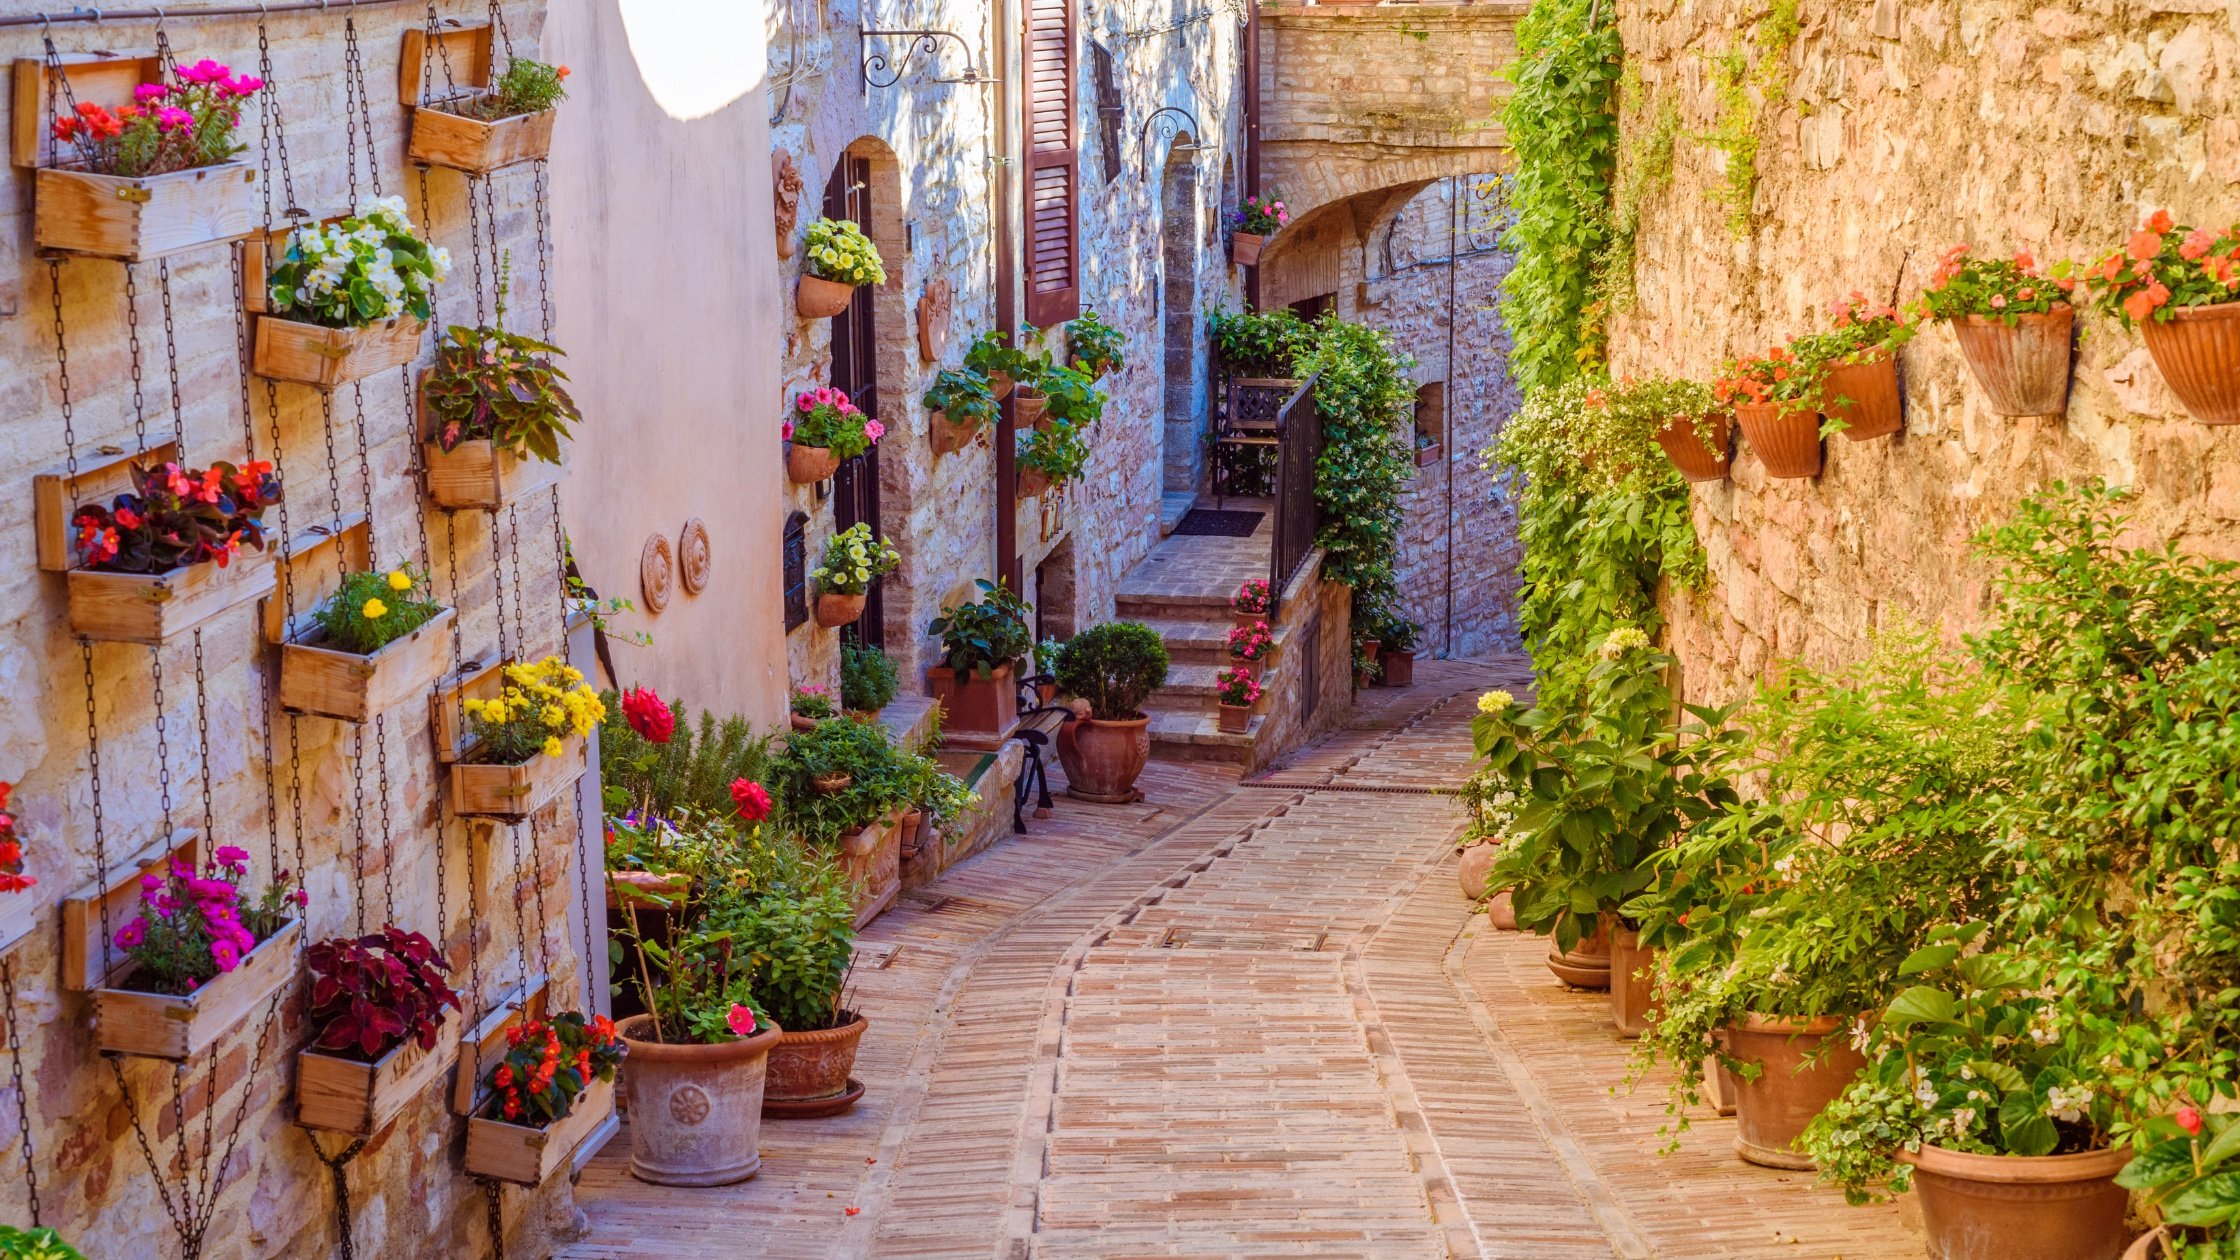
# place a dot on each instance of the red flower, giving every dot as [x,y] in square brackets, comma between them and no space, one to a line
[2023,259]
[2159,222]
[2196,244]
[752,800]
[503,1076]
[2143,245]
[2189,1119]
[647,715]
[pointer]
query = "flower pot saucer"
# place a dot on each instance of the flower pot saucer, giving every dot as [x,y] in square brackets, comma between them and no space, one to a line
[812,1108]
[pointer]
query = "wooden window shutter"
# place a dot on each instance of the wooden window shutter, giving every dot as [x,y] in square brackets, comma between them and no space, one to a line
[1053,182]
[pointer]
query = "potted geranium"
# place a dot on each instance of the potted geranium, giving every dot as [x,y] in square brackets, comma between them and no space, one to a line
[981,643]
[1254,222]
[840,259]
[1251,642]
[1114,667]
[1251,602]
[380,641]
[826,429]
[961,404]
[481,132]
[853,560]
[547,1093]
[494,401]
[1775,397]
[992,355]
[376,1008]
[2184,1174]
[2180,287]
[1095,346]
[788,909]
[2014,326]
[348,299]
[200,956]
[13,882]
[1237,689]
[153,177]
[527,740]
[809,704]
[867,680]
[1859,379]
[167,557]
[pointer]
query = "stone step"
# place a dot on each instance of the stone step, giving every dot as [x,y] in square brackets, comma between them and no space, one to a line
[1196,735]
[1200,641]
[1150,604]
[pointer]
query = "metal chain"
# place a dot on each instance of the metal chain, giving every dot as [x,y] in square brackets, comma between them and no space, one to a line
[388,850]
[269,100]
[15,1073]
[100,834]
[498,20]
[520,592]
[520,921]
[163,747]
[241,352]
[544,259]
[59,82]
[350,109]
[474,251]
[435,316]
[202,737]
[498,268]
[354,66]
[339,1164]
[171,358]
[240,1109]
[497,1215]
[132,342]
[147,1149]
[62,365]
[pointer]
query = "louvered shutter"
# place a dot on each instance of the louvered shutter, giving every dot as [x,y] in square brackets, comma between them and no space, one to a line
[1053,183]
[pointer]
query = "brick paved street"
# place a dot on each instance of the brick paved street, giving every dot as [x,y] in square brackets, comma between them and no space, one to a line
[1238,1019]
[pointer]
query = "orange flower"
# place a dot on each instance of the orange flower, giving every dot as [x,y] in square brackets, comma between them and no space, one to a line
[2143,245]
[2023,260]
[2139,305]
[562,71]
[2159,222]
[2196,244]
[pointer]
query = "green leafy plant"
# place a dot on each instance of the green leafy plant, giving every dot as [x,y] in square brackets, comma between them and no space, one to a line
[963,395]
[488,384]
[836,249]
[1070,397]
[1644,169]
[2166,267]
[1742,80]
[1096,345]
[692,770]
[879,779]
[789,919]
[373,610]
[2187,1174]
[1115,667]
[367,269]
[992,353]
[867,678]
[35,1244]
[1995,288]
[1365,392]
[1260,343]
[1046,655]
[853,560]
[526,87]
[812,701]
[1058,451]
[986,634]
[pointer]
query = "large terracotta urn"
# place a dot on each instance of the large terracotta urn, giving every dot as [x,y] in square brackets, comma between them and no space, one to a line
[1999,1207]
[1804,1065]
[1102,759]
[1474,867]
[695,1109]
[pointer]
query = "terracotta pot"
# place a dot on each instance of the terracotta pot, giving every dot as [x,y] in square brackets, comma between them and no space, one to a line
[1001,383]
[1245,247]
[1474,867]
[1399,668]
[1587,964]
[2046,1207]
[834,611]
[646,891]
[1372,648]
[1031,411]
[1719,1085]
[2149,1246]
[1633,989]
[1102,759]
[812,1066]
[2023,370]
[910,830]
[801,723]
[1798,1080]
[2198,352]
[947,435]
[1247,619]
[818,298]
[1873,409]
[1031,481]
[695,1110]
[832,784]
[1501,911]
[983,708]
[1687,452]
[1785,437]
[1235,718]
[807,464]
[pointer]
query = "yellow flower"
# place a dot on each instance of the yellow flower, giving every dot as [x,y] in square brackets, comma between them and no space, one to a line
[1495,702]
[375,610]
[400,581]
[552,715]
[553,747]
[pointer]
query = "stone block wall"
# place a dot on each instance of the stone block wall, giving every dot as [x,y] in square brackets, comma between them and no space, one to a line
[1906,127]
[240,784]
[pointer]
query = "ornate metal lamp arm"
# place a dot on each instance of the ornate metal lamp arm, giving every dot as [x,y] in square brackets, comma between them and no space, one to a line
[881,71]
[1169,119]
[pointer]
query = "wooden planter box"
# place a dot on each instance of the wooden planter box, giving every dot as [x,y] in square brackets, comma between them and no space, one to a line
[512,793]
[310,354]
[479,474]
[354,688]
[165,1026]
[872,862]
[134,220]
[476,147]
[526,1156]
[152,607]
[345,1096]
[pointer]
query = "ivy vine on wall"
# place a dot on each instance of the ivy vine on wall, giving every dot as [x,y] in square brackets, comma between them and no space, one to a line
[1743,82]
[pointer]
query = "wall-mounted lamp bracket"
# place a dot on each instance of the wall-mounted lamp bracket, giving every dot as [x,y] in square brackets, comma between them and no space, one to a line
[881,71]
[1170,120]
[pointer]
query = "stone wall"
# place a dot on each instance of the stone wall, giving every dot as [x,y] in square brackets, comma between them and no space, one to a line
[272,1197]
[1906,128]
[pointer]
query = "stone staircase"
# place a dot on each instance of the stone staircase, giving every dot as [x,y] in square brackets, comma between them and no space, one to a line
[1185,716]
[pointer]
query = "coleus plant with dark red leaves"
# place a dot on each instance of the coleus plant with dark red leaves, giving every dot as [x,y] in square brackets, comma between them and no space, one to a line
[372,993]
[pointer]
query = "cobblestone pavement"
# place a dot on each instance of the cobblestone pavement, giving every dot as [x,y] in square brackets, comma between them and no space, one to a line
[1235,1020]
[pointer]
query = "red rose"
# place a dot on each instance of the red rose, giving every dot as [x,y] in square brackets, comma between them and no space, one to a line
[648,715]
[752,800]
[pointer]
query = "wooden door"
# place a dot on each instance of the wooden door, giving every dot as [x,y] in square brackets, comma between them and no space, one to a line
[855,339]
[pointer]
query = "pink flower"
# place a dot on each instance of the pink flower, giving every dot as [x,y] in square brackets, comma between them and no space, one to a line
[2196,244]
[1998,301]
[231,857]
[225,955]
[149,92]
[805,401]
[174,119]
[151,882]
[785,431]
[874,430]
[246,85]
[741,1020]
[132,934]
[752,800]
[2189,1119]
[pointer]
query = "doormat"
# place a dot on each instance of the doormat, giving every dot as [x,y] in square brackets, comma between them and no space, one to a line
[1207,523]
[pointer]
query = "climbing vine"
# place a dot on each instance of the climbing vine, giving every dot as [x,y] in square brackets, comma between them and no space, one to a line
[1651,132]
[1742,81]
[1366,397]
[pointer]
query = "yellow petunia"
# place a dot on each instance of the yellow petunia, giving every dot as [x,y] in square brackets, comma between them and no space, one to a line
[400,581]
[374,610]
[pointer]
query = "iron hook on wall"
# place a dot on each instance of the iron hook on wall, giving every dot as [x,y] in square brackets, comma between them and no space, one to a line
[877,64]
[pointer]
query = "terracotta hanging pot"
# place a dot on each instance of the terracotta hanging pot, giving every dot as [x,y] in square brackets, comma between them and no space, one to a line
[1474,867]
[832,784]
[809,1071]
[2023,369]
[1001,383]
[1685,448]
[1585,965]
[1102,759]
[1030,411]
[1865,397]
[1806,1064]
[948,435]
[1785,436]
[1633,990]
[2198,353]
[807,464]
[1245,247]
[834,611]
[1031,481]
[818,298]
[695,1110]
[1998,1207]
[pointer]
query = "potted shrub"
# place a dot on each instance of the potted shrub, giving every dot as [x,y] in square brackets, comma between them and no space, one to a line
[853,560]
[35,1243]
[379,643]
[993,356]
[1096,347]
[1491,807]
[495,402]
[826,428]
[527,743]
[153,177]
[376,1008]
[2183,1176]
[348,299]
[961,404]
[840,786]
[1775,399]
[2013,325]
[1859,382]
[1254,222]
[981,643]
[789,909]
[1396,648]
[1238,690]
[809,704]
[553,1086]
[1047,457]
[200,957]
[480,132]
[839,260]
[2180,287]
[1115,667]
[1251,643]
[867,680]
[1251,602]
[167,557]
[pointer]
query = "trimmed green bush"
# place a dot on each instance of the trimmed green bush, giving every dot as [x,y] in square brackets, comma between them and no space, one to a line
[1115,667]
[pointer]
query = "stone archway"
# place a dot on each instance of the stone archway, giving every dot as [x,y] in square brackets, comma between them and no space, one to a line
[1182,448]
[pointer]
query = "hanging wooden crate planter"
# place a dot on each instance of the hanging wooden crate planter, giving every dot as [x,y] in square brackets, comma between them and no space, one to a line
[485,1043]
[495,790]
[481,474]
[525,1156]
[457,142]
[311,354]
[152,607]
[152,216]
[333,683]
[102,475]
[345,1095]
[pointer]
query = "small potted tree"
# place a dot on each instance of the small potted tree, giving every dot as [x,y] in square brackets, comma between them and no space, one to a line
[2014,326]
[825,429]
[547,1093]
[379,643]
[992,355]
[1396,648]
[1114,667]
[166,558]
[527,742]
[1859,383]
[152,178]
[1237,689]
[348,299]
[961,404]
[495,402]
[867,681]
[1775,397]
[2180,287]
[981,643]
[1096,347]
[378,1026]
[480,132]
[839,259]
[1254,222]
[853,560]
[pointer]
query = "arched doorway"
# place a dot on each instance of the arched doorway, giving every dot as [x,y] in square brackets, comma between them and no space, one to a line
[1183,447]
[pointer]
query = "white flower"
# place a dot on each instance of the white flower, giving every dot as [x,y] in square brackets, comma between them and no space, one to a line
[1622,640]
[2068,1103]
[1925,1094]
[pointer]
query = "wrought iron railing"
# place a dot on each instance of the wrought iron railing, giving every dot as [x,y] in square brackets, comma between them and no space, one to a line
[1298,451]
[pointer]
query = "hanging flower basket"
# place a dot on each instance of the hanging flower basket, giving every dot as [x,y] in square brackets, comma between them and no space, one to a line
[512,792]
[2022,367]
[1001,384]
[346,1095]
[1786,437]
[2197,351]
[818,298]
[527,1156]
[948,436]
[322,357]
[1685,447]
[1031,481]
[1032,411]
[333,683]
[180,1026]
[1865,397]
[457,142]
[808,464]
[153,607]
[1245,247]
[154,216]
[834,611]
[481,474]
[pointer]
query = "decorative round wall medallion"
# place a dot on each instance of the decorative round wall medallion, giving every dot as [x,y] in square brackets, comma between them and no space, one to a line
[657,572]
[695,556]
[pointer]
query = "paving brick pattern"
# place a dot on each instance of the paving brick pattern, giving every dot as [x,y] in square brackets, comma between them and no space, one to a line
[1238,1021]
